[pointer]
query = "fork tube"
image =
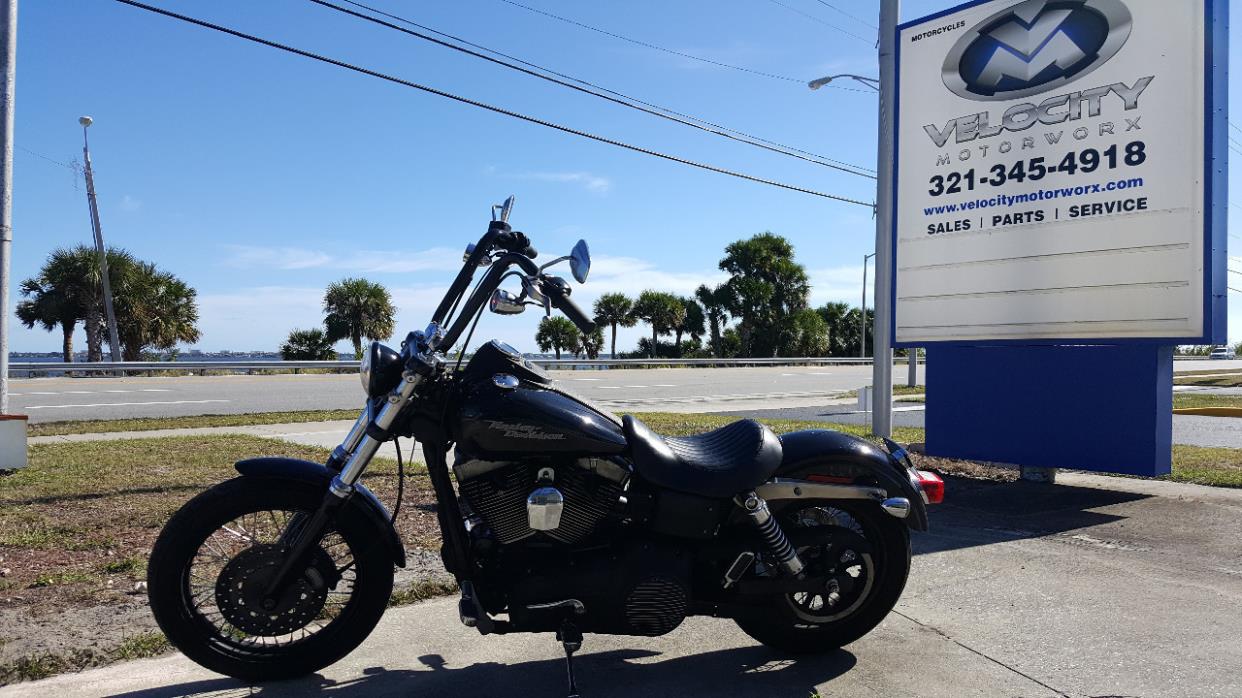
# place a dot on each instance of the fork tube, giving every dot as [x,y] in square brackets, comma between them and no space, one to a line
[346,447]
[376,434]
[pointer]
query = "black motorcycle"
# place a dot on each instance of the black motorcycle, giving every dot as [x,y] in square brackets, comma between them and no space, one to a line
[556,515]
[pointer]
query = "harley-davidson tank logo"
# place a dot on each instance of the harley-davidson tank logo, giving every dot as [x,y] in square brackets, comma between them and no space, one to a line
[524,431]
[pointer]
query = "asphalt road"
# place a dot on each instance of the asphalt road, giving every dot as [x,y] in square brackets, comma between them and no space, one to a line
[58,399]
[1091,587]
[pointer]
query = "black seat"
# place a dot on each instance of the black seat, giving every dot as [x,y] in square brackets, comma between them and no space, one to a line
[718,464]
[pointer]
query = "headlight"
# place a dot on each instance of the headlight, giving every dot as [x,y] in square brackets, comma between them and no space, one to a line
[380,370]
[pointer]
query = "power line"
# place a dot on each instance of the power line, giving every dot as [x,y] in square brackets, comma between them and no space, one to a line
[482,105]
[54,162]
[813,18]
[594,90]
[856,19]
[649,45]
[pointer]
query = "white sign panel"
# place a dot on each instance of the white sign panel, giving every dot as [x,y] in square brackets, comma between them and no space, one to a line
[1051,177]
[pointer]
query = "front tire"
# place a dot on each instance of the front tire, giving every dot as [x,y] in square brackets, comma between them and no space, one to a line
[792,625]
[216,549]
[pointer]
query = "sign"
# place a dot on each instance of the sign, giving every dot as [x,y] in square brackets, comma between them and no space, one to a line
[1060,173]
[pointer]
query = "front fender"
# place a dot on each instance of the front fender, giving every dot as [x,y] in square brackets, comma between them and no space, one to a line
[837,457]
[363,500]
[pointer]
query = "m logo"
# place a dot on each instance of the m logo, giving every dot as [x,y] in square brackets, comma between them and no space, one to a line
[1036,46]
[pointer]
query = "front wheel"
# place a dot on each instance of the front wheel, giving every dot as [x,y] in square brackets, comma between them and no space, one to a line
[209,570]
[865,567]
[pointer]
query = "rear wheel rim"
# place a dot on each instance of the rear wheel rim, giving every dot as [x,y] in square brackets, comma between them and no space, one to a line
[851,570]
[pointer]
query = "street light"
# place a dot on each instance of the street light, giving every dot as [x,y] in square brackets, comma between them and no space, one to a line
[862,79]
[862,323]
[109,313]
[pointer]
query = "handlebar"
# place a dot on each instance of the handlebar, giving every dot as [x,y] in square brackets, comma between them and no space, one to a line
[560,299]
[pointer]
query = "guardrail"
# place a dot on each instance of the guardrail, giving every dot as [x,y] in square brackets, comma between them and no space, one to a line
[28,369]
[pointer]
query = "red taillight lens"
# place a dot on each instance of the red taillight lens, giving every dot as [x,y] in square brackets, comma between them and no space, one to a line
[932,486]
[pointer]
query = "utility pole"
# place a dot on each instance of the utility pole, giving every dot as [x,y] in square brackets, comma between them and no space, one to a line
[113,340]
[862,322]
[8,54]
[882,367]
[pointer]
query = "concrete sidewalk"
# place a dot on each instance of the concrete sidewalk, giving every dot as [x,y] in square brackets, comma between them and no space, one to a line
[1095,586]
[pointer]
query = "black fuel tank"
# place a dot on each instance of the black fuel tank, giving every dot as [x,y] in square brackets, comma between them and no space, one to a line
[532,417]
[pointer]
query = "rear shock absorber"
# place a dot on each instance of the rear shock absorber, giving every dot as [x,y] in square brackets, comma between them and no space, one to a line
[770,531]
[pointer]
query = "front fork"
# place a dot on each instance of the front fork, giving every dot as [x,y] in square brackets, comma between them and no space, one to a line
[349,460]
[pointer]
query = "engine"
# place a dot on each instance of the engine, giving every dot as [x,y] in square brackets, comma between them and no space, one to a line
[561,502]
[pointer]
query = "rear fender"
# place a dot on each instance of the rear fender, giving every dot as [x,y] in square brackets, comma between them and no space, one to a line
[362,500]
[820,455]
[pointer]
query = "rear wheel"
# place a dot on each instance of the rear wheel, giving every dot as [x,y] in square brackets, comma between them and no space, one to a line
[864,569]
[210,567]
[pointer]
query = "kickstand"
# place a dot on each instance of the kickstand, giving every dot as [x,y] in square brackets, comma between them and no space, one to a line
[571,640]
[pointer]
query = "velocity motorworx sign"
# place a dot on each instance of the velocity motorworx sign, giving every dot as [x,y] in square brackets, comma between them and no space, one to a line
[1060,172]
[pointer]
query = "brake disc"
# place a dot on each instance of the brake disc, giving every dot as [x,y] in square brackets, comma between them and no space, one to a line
[242,586]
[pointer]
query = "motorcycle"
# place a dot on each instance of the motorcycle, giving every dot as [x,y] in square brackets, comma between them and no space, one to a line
[556,515]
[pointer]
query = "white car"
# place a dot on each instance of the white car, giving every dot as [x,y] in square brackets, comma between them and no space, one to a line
[1222,353]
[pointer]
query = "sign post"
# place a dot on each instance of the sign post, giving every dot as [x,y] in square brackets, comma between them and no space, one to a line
[1060,222]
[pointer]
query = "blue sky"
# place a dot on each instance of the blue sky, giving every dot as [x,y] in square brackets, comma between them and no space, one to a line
[260,177]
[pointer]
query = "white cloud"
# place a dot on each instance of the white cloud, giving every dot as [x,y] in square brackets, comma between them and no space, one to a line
[587,180]
[840,284]
[130,204]
[363,261]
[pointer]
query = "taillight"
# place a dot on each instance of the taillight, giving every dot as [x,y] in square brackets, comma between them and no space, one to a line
[933,487]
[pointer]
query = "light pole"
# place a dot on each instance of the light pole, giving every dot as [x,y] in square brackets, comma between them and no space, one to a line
[8,81]
[882,366]
[113,340]
[862,323]
[869,82]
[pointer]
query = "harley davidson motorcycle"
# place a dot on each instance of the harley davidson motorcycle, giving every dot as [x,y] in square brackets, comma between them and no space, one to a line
[556,515]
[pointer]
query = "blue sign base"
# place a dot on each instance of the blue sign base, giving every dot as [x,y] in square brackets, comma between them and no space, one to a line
[1100,408]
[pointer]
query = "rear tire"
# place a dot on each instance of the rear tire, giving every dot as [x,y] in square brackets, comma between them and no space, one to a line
[191,626]
[780,627]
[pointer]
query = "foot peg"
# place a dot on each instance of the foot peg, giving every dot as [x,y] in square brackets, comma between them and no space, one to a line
[571,640]
[473,615]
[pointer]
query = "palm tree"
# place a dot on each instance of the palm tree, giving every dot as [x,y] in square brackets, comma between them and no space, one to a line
[663,311]
[358,308]
[308,345]
[715,302]
[69,288]
[691,323]
[613,309]
[589,343]
[54,299]
[154,310]
[556,333]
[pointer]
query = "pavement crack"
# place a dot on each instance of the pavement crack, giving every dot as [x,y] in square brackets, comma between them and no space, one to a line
[986,656]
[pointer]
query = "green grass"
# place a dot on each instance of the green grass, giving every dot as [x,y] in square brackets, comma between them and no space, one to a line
[211,420]
[1212,381]
[1189,400]
[421,591]
[62,578]
[41,666]
[1218,467]
[685,424]
[898,391]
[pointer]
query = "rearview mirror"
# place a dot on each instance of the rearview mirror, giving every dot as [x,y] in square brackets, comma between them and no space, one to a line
[580,261]
[505,303]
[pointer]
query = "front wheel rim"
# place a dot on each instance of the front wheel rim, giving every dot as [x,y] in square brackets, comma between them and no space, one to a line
[244,534]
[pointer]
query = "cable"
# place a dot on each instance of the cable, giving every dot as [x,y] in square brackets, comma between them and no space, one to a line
[813,18]
[656,110]
[482,105]
[856,19]
[54,162]
[396,509]
[651,46]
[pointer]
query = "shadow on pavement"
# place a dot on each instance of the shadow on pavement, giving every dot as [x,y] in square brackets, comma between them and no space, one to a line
[982,512]
[751,672]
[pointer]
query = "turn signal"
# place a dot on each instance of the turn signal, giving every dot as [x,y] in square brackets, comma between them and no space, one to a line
[933,487]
